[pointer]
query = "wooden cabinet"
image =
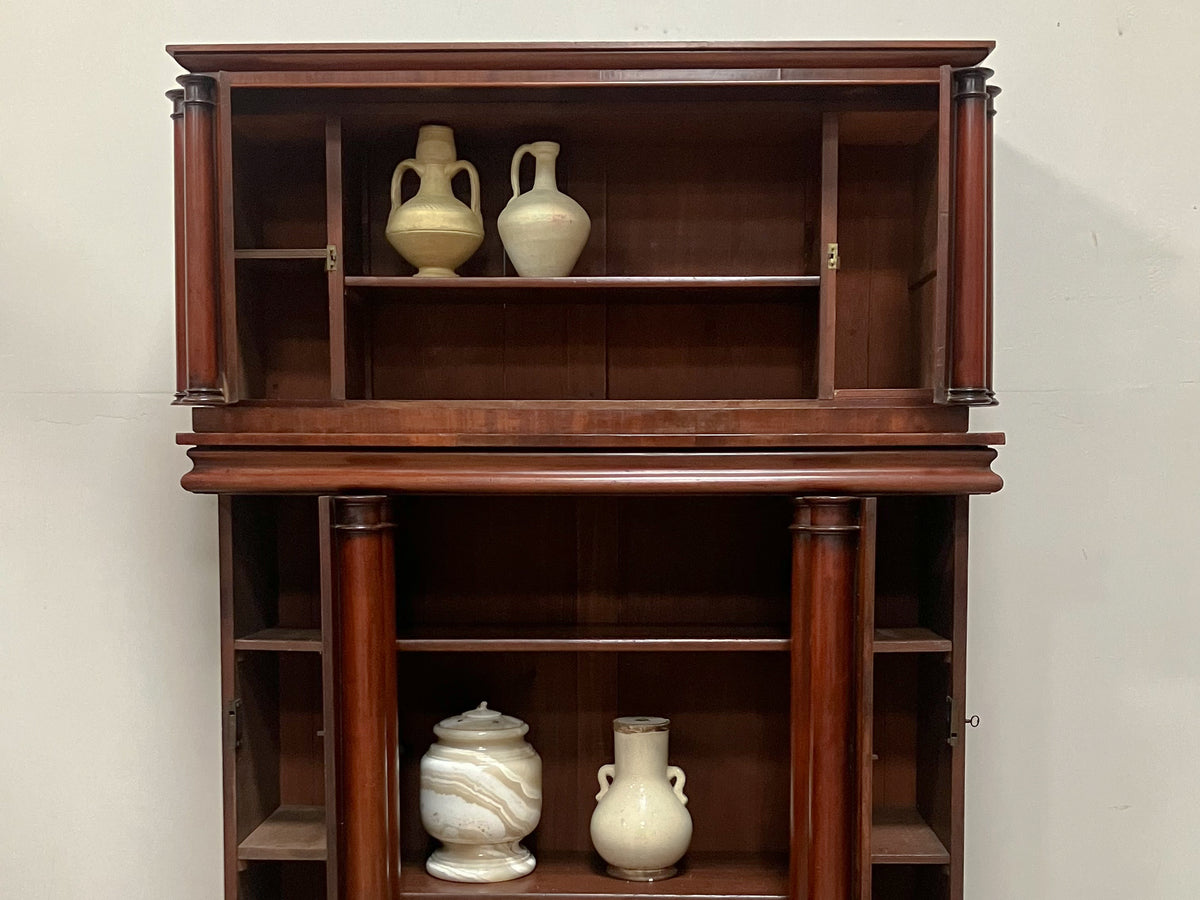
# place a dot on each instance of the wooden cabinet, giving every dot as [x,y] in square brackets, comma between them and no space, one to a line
[720,473]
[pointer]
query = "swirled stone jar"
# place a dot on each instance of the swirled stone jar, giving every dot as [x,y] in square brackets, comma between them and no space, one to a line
[481,794]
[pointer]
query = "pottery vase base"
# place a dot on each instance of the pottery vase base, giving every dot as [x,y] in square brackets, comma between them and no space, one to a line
[435,272]
[643,874]
[484,864]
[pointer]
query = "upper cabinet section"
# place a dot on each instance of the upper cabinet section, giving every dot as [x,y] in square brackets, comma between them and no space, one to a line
[775,225]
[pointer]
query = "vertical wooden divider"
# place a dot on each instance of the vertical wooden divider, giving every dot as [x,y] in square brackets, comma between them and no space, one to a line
[367,770]
[970,329]
[827,340]
[329,683]
[825,798]
[337,273]
[228,694]
[958,687]
[865,692]
[200,221]
[945,187]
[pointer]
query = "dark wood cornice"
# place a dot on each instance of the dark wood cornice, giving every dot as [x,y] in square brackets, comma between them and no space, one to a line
[690,55]
[862,472]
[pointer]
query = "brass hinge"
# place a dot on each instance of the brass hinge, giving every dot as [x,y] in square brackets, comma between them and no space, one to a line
[833,258]
[331,258]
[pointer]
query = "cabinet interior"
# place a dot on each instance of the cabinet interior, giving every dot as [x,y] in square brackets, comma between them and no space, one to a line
[729,187]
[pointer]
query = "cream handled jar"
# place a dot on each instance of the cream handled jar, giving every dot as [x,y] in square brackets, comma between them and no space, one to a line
[481,794]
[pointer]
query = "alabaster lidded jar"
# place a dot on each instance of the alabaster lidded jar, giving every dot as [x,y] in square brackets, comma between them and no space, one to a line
[481,794]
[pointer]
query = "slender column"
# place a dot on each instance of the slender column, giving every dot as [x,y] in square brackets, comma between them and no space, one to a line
[176,98]
[992,92]
[970,325]
[825,798]
[365,625]
[200,242]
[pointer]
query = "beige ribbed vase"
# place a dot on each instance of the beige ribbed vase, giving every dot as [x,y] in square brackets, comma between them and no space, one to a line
[641,826]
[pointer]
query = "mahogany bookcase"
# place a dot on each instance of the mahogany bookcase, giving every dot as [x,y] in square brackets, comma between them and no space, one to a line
[721,473]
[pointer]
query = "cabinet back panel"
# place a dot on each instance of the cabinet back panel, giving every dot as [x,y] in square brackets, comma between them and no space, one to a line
[276,564]
[641,349]
[729,733]
[914,564]
[887,239]
[283,329]
[280,756]
[909,883]
[292,880]
[564,561]
[278,182]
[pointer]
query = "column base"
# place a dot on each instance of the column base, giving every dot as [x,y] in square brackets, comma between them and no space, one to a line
[971,397]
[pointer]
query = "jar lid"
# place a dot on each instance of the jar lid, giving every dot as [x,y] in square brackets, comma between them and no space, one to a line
[640,724]
[480,724]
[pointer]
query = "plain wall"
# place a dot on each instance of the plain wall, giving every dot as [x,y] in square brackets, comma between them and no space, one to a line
[1084,618]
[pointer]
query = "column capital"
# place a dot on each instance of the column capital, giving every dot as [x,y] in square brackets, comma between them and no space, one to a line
[198,89]
[971,82]
[361,513]
[175,95]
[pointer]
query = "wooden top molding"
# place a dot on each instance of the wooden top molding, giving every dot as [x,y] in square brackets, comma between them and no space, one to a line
[493,56]
[855,472]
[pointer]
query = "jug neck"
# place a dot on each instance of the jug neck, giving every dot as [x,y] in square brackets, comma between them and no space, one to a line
[545,154]
[640,754]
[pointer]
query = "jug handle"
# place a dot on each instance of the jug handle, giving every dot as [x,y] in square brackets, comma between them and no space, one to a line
[516,167]
[680,779]
[462,165]
[607,771]
[399,174]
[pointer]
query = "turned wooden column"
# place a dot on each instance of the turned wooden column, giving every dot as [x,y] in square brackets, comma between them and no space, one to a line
[365,624]
[992,92]
[825,536]
[200,242]
[970,319]
[176,98]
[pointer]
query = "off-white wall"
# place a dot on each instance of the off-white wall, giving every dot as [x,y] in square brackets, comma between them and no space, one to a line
[1082,780]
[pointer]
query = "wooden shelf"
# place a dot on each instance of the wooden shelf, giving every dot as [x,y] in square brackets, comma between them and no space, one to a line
[303,253]
[910,640]
[901,837]
[289,833]
[594,639]
[580,875]
[731,287]
[295,640]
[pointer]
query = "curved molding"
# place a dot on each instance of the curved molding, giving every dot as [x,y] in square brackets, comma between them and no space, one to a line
[858,473]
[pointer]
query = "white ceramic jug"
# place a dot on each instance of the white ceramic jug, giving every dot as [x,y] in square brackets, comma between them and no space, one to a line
[543,230]
[641,826]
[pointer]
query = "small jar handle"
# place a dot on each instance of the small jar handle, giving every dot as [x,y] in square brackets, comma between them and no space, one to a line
[680,779]
[463,166]
[516,167]
[606,772]
[399,174]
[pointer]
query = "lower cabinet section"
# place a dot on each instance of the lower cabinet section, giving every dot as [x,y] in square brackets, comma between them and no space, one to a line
[568,612]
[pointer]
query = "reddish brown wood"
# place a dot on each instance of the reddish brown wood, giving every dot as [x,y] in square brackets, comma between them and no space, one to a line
[827,347]
[233,470]
[368,841]
[335,275]
[203,339]
[229,695]
[864,692]
[329,637]
[825,802]
[993,92]
[956,801]
[945,183]
[181,342]
[499,56]
[970,335]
